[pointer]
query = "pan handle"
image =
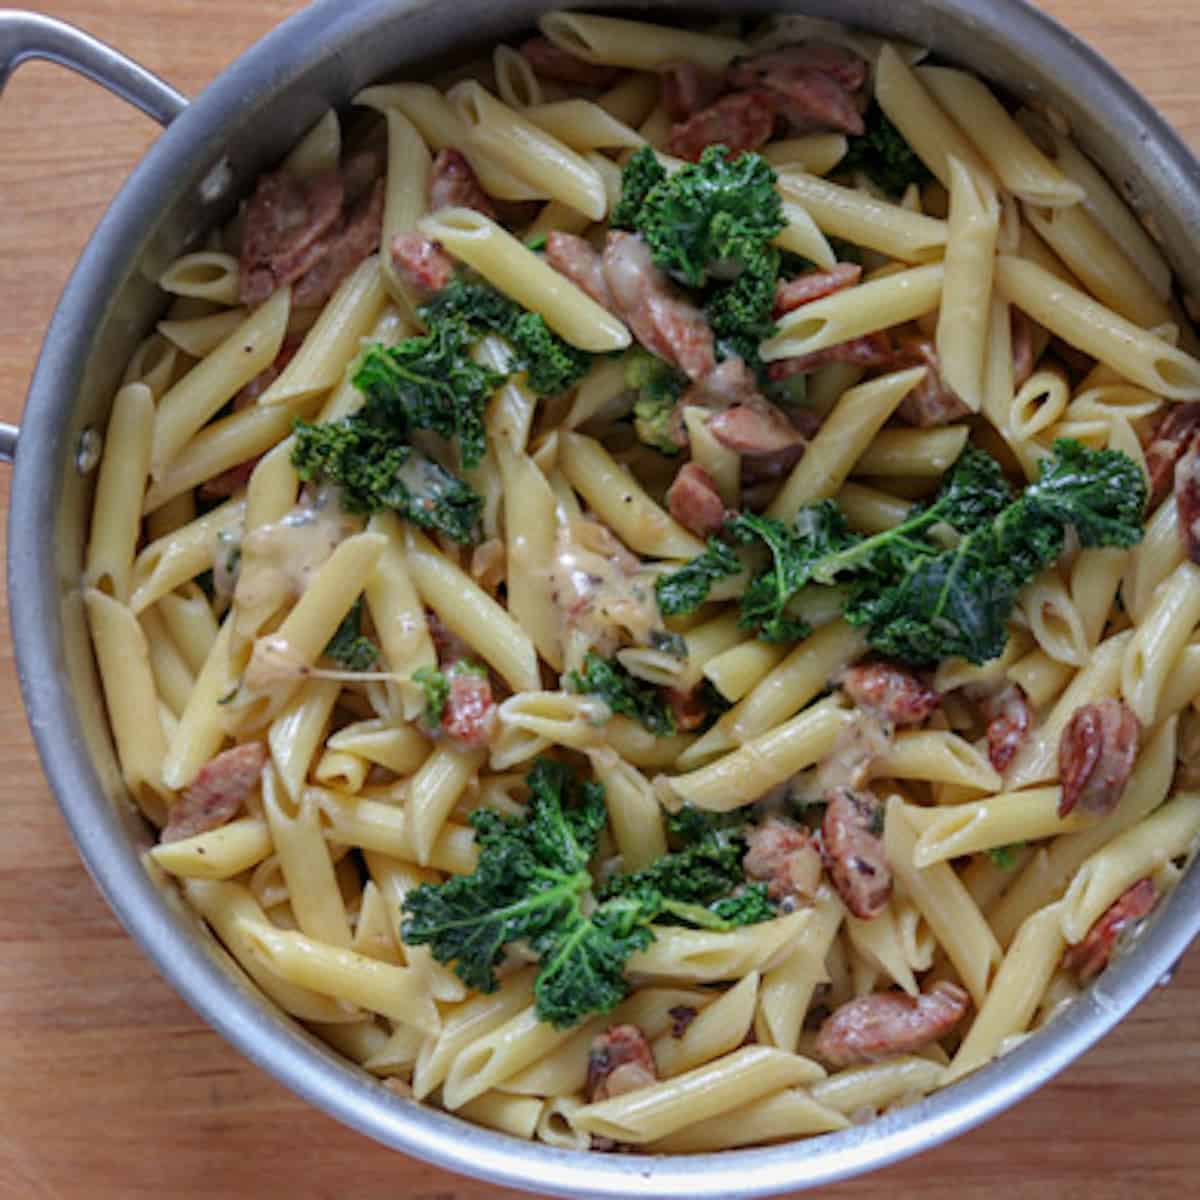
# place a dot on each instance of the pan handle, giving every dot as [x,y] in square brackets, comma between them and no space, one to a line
[27,35]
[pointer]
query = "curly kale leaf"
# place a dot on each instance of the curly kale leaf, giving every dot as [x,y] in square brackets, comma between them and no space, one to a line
[710,226]
[436,688]
[658,386]
[431,382]
[528,883]
[377,470]
[711,217]
[821,533]
[943,582]
[741,312]
[956,601]
[641,174]
[883,155]
[551,365]
[350,647]
[532,884]
[683,591]
[630,697]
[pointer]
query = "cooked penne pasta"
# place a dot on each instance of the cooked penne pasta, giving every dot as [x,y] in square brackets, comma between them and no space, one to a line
[577,608]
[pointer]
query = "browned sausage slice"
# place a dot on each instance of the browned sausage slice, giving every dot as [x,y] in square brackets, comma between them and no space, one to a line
[740,121]
[554,62]
[890,692]
[814,285]
[217,793]
[693,500]
[454,184]
[1096,753]
[619,1061]
[785,856]
[421,263]
[1091,956]
[573,257]
[658,314]
[852,847]
[875,1027]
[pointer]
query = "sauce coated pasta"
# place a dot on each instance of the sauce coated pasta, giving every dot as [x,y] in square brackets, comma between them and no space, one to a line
[650,591]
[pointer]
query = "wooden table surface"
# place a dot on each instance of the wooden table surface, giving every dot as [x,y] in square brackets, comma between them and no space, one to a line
[110,1087]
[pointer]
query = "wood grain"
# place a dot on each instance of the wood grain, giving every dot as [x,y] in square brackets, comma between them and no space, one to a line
[110,1087]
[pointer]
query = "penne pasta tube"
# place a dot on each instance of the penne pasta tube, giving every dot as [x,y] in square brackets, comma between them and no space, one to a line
[1002,820]
[1088,325]
[1017,162]
[220,853]
[867,308]
[793,1112]
[613,41]
[516,271]
[763,762]
[729,1083]
[843,437]
[860,218]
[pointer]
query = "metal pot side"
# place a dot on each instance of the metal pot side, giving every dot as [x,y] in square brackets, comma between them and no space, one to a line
[189,181]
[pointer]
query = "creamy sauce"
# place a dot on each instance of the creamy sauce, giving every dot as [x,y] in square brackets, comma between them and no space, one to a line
[600,589]
[862,742]
[279,561]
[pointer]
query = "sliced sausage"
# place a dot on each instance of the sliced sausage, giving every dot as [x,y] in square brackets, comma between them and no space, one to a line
[421,263]
[870,350]
[730,382]
[1090,956]
[1009,718]
[693,500]
[658,314]
[757,429]
[682,1016]
[814,285]
[1095,756]
[286,219]
[784,856]
[688,87]
[740,121]
[688,709]
[217,793]
[553,62]
[1187,498]
[876,1027]
[354,239]
[619,1061]
[1167,445]
[470,714]
[1022,347]
[890,692]
[454,184]
[775,68]
[932,402]
[852,846]
[574,257]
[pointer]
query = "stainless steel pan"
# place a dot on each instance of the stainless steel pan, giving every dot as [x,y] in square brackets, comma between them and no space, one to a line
[209,154]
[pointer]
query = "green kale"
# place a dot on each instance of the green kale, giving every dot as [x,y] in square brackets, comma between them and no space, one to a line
[658,387]
[740,313]
[683,591]
[431,382]
[533,884]
[551,364]
[1004,858]
[936,603]
[642,173]
[666,642]
[883,155]
[712,217]
[819,534]
[943,583]
[537,243]
[436,687]
[377,470]
[710,225]
[349,646]
[606,678]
